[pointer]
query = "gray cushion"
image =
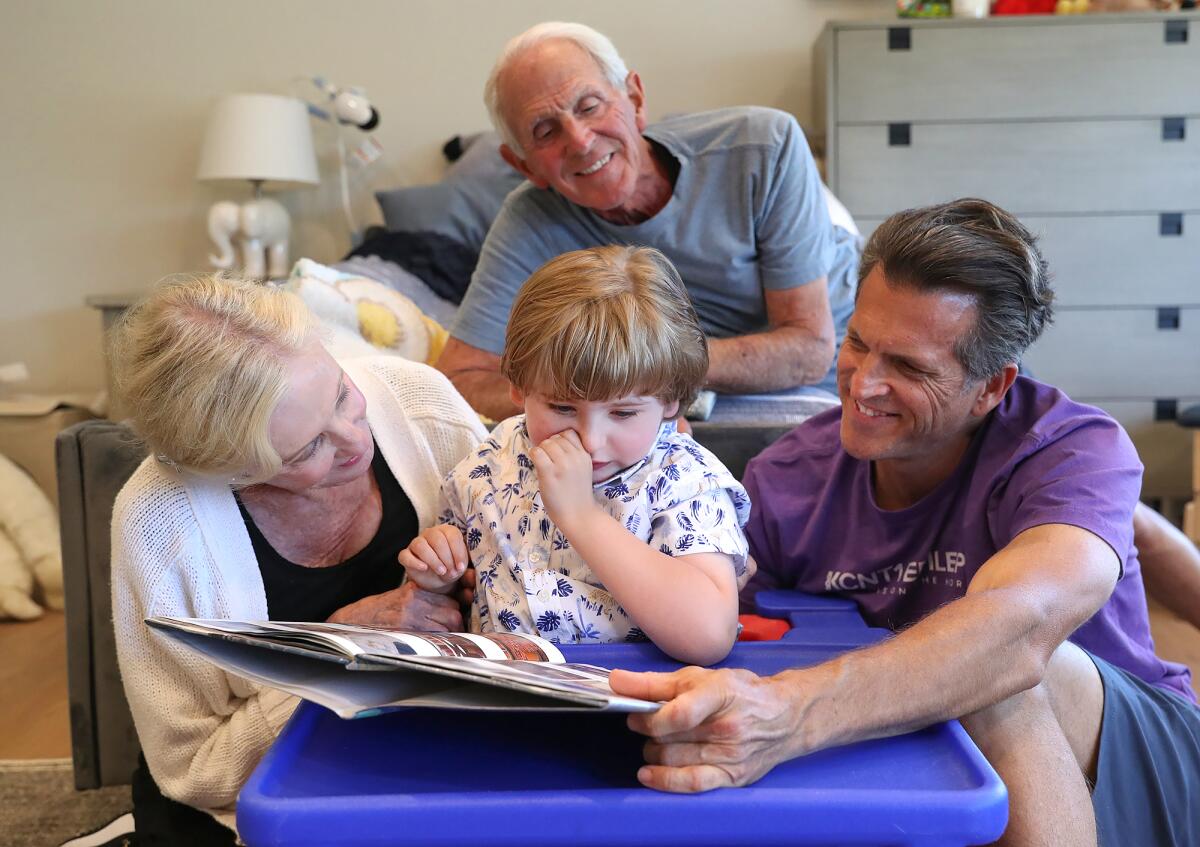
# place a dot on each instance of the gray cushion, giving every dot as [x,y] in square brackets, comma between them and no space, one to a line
[94,460]
[462,206]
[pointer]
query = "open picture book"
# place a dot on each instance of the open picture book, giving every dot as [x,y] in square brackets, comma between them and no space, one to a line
[357,671]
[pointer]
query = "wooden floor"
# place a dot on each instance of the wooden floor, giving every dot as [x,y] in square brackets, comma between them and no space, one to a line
[33,680]
[33,689]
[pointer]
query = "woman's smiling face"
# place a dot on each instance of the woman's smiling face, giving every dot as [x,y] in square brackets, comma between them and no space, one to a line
[319,428]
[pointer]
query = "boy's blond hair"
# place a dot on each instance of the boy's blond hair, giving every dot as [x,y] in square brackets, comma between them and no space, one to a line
[201,363]
[604,323]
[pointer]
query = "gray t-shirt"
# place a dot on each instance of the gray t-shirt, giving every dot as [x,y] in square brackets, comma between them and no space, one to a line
[747,213]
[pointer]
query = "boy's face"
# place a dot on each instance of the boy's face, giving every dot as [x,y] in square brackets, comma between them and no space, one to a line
[615,433]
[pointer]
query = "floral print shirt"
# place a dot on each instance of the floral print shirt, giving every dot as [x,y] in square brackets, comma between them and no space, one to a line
[679,499]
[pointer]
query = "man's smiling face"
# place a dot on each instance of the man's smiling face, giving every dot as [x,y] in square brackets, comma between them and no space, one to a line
[904,393]
[579,135]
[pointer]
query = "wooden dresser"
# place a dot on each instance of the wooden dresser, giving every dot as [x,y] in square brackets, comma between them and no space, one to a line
[1088,128]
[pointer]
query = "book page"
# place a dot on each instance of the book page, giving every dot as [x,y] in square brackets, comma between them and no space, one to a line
[379,669]
[354,641]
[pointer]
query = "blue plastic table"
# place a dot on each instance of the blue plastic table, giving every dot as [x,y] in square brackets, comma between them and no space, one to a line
[446,778]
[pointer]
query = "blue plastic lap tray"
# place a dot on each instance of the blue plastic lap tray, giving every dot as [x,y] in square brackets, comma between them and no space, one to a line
[435,777]
[778,603]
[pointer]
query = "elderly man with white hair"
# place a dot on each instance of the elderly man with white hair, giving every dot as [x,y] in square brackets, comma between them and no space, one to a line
[731,196]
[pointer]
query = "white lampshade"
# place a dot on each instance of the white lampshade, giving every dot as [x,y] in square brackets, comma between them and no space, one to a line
[259,137]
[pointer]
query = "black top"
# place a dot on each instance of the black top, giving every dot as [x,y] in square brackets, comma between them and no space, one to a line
[294,593]
[297,593]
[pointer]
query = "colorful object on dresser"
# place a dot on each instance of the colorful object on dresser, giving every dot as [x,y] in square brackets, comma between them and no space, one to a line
[923,8]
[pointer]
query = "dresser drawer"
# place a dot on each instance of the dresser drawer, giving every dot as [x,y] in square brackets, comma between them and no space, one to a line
[1013,69]
[1119,354]
[1116,260]
[1123,260]
[1048,167]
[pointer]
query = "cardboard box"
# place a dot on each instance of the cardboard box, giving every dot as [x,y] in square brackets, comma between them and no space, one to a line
[1196,463]
[1189,522]
[29,425]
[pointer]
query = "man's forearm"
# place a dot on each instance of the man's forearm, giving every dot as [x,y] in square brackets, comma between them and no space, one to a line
[780,358]
[970,654]
[1170,564]
[486,392]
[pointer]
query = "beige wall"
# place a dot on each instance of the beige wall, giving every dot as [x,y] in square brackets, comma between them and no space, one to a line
[103,108]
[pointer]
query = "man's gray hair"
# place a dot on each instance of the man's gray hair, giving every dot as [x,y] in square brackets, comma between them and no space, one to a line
[596,45]
[977,248]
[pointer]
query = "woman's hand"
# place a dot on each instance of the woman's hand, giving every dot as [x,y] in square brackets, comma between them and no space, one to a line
[407,607]
[436,558]
[564,472]
[717,728]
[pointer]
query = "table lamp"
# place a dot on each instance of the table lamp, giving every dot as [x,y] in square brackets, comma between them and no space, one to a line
[263,138]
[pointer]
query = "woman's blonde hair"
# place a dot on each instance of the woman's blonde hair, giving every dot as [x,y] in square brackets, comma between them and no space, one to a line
[603,323]
[201,363]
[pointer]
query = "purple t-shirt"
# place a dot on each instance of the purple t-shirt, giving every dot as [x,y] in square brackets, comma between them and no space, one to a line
[1039,458]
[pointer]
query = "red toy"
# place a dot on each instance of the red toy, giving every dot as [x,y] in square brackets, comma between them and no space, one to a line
[1023,7]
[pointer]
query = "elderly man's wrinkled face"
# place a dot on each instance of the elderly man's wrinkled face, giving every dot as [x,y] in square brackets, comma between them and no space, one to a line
[579,135]
[905,395]
[319,427]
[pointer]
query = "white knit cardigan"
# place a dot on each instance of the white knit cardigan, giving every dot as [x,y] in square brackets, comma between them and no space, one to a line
[180,547]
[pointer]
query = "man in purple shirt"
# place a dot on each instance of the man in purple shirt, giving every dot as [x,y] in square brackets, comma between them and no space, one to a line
[985,517]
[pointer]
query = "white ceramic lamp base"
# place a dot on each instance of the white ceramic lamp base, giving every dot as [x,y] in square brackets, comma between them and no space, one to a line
[259,229]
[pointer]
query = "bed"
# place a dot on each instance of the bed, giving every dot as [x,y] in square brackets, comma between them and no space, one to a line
[427,249]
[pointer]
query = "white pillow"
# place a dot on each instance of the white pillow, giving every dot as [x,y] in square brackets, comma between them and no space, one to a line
[362,316]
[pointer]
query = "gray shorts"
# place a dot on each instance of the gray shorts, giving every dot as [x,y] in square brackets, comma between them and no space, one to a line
[1148,777]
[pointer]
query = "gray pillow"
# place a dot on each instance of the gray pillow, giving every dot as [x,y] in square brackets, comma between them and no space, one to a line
[462,206]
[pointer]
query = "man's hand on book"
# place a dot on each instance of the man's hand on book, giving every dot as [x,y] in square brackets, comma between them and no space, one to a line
[408,607]
[437,558]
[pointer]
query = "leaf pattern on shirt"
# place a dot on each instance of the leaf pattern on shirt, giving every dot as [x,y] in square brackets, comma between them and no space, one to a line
[615,489]
[679,500]
[509,619]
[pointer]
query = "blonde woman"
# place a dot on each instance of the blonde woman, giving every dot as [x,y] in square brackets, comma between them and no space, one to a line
[281,484]
[589,517]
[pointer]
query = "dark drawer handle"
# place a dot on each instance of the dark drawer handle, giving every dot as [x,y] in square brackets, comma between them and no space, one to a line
[1174,129]
[1170,223]
[900,37]
[1166,409]
[1175,32]
[900,135]
[1168,317]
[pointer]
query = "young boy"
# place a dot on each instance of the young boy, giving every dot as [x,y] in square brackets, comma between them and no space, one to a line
[589,517]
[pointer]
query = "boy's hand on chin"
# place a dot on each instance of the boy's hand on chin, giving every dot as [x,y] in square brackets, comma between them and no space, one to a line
[564,472]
